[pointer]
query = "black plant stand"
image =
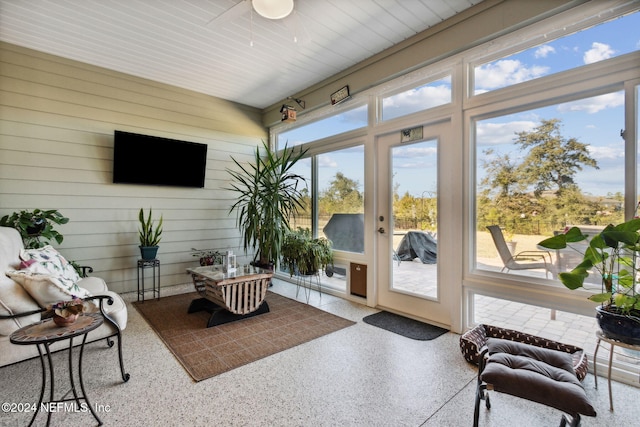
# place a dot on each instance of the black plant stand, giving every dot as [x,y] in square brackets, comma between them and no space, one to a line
[153,264]
[306,281]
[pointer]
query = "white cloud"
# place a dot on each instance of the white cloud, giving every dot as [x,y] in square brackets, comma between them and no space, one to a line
[544,51]
[501,133]
[601,153]
[426,97]
[598,52]
[326,161]
[595,104]
[506,72]
[422,155]
[416,151]
[412,165]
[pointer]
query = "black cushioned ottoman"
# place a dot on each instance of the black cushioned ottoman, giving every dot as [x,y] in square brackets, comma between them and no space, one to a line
[530,371]
[473,341]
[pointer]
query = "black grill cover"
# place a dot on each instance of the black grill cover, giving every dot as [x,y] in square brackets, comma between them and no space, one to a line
[417,244]
[346,231]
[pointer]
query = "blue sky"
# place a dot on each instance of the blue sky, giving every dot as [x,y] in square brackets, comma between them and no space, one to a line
[595,121]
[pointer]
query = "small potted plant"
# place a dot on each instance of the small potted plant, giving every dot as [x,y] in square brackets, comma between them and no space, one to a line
[149,234]
[66,312]
[304,255]
[614,255]
[207,256]
[35,226]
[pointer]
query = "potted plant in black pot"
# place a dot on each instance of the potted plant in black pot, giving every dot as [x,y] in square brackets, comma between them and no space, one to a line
[36,227]
[614,255]
[268,194]
[150,235]
[304,255]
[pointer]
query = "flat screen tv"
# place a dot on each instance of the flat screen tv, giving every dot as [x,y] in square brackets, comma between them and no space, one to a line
[143,159]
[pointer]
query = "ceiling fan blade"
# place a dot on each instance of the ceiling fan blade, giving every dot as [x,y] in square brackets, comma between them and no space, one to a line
[231,14]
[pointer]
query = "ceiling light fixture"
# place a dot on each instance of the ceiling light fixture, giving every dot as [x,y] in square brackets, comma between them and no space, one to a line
[273,9]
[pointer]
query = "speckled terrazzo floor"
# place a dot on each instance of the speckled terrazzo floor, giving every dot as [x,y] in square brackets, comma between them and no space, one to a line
[358,376]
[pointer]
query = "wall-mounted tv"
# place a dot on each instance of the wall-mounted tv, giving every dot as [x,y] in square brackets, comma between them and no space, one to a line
[143,159]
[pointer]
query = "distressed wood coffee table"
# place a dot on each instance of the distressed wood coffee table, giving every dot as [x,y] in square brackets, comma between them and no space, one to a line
[230,296]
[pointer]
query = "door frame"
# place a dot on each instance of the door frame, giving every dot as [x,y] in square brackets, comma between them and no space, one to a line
[445,310]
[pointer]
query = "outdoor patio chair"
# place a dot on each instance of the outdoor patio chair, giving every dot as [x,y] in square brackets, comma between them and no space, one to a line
[519,260]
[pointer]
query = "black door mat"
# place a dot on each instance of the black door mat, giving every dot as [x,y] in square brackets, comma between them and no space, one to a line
[404,326]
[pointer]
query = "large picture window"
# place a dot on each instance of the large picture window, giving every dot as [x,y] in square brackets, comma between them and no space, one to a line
[341,198]
[540,171]
[333,205]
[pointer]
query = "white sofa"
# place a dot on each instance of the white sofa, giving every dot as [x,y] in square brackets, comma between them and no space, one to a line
[19,308]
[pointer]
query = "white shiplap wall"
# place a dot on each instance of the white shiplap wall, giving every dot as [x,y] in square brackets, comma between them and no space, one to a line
[57,119]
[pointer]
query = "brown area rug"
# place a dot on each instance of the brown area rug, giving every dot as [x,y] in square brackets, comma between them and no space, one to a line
[206,352]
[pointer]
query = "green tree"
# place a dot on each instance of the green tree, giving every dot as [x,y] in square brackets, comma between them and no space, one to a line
[552,160]
[405,211]
[503,200]
[550,163]
[342,195]
[502,174]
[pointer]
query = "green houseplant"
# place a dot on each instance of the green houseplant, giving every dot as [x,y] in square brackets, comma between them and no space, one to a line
[207,256]
[149,233]
[268,193]
[304,255]
[35,226]
[613,255]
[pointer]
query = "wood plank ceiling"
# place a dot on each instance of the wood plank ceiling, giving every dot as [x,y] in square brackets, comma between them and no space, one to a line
[220,47]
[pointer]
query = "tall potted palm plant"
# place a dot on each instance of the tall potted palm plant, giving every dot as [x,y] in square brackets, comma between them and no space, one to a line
[268,194]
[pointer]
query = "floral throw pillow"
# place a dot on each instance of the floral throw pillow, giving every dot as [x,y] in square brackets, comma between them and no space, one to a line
[48,277]
[47,289]
[49,261]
